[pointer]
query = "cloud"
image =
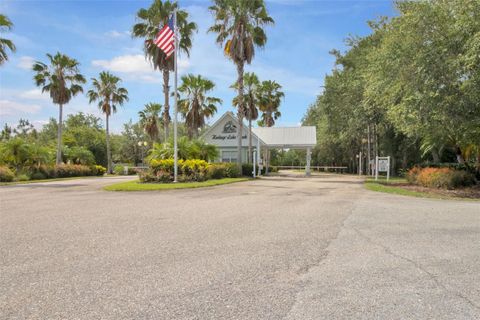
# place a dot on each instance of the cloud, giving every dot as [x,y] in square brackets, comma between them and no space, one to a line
[136,67]
[26,62]
[34,94]
[117,34]
[8,108]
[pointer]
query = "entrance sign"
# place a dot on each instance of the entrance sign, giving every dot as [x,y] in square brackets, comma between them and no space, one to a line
[382,164]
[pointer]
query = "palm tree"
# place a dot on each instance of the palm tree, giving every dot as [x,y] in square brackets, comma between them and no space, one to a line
[196,106]
[150,22]
[149,119]
[5,25]
[270,98]
[250,99]
[63,81]
[238,24]
[108,94]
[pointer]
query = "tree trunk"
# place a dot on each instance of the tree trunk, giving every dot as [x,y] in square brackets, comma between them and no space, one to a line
[59,134]
[368,151]
[435,155]
[109,156]
[166,105]
[458,152]
[250,159]
[240,114]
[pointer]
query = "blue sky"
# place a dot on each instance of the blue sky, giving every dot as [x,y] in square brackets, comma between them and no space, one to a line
[96,33]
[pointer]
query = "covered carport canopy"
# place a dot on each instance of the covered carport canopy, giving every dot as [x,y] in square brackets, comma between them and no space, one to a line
[289,138]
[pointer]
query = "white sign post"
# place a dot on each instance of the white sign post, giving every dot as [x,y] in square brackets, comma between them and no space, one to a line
[382,164]
[254,163]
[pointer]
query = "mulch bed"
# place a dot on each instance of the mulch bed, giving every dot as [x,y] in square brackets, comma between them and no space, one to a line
[468,193]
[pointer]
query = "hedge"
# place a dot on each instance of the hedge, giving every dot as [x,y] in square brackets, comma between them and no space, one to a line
[6,175]
[445,177]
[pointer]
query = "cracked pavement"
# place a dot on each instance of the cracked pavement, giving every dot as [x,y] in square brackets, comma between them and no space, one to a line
[276,248]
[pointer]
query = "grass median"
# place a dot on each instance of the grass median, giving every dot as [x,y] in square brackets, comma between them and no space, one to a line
[136,185]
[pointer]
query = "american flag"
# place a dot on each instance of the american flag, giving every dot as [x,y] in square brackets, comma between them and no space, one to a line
[165,38]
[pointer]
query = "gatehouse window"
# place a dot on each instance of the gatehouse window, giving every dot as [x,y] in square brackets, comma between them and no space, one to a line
[229,156]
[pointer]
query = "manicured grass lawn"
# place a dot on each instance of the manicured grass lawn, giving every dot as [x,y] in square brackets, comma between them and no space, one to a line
[138,186]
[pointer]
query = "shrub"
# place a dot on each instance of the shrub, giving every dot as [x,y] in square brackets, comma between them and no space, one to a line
[120,170]
[98,170]
[231,170]
[72,170]
[440,177]
[6,175]
[216,171]
[44,170]
[412,174]
[22,177]
[247,169]
[38,176]
[188,170]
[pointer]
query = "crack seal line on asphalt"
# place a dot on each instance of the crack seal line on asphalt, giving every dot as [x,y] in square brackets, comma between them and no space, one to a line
[305,270]
[418,266]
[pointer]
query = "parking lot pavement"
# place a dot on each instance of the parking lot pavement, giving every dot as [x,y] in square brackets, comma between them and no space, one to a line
[276,248]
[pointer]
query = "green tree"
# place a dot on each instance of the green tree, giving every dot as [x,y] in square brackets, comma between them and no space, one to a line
[196,106]
[187,149]
[5,44]
[238,24]
[62,79]
[250,99]
[149,118]
[269,100]
[6,133]
[150,21]
[109,95]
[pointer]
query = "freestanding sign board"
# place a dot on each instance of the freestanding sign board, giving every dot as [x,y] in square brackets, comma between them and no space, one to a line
[382,164]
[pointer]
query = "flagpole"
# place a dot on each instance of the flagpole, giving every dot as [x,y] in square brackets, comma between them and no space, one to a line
[175,146]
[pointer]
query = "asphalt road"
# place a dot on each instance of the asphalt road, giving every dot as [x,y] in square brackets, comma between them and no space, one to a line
[276,248]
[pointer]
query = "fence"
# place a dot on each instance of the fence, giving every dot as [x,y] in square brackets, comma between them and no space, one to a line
[316,168]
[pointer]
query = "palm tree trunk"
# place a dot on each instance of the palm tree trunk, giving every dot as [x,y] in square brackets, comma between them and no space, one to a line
[59,134]
[250,141]
[166,106]
[240,114]
[109,156]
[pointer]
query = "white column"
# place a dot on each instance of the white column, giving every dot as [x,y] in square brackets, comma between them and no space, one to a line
[309,158]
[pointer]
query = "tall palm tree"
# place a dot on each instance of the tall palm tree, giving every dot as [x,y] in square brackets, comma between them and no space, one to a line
[108,94]
[5,25]
[270,98]
[250,99]
[149,118]
[149,23]
[62,79]
[238,24]
[195,105]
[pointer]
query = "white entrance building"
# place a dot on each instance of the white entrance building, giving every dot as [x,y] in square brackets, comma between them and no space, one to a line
[223,134]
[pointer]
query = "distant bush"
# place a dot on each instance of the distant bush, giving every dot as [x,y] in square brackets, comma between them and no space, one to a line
[43,170]
[98,170]
[446,178]
[188,170]
[22,177]
[120,170]
[247,169]
[38,176]
[232,171]
[216,171]
[6,175]
[72,170]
